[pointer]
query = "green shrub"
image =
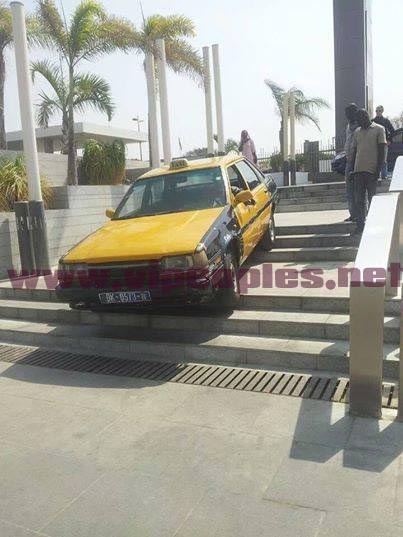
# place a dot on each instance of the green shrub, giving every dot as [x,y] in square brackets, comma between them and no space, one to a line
[276,162]
[103,164]
[14,184]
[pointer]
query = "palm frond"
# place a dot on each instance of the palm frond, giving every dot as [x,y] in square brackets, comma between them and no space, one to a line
[83,25]
[168,27]
[92,91]
[278,93]
[6,25]
[108,34]
[53,74]
[46,108]
[183,59]
[306,108]
[50,28]
[305,117]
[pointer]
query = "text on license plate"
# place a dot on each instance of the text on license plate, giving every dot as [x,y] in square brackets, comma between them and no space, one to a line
[126,297]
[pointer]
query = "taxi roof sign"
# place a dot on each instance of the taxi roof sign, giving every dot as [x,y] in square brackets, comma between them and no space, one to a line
[179,163]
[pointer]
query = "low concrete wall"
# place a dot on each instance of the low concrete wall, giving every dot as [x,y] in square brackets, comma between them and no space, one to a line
[52,166]
[84,213]
[301,178]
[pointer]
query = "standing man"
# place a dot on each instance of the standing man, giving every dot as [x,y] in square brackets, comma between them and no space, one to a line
[369,157]
[380,119]
[349,148]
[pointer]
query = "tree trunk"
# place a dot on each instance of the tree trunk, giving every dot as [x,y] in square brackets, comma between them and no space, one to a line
[72,157]
[281,139]
[3,144]
[65,133]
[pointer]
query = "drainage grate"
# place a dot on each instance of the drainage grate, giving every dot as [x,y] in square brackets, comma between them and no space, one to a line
[233,378]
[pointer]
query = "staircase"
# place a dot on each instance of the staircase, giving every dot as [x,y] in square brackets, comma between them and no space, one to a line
[319,197]
[293,329]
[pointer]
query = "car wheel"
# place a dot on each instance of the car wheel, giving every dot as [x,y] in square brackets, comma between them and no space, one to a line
[229,294]
[269,237]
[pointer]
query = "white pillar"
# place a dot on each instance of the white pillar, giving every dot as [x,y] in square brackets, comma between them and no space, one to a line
[218,99]
[285,127]
[152,112]
[163,89]
[208,100]
[292,125]
[25,98]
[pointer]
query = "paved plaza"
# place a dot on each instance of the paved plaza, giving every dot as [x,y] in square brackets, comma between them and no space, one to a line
[90,455]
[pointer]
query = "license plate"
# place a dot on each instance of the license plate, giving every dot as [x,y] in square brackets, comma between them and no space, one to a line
[125,297]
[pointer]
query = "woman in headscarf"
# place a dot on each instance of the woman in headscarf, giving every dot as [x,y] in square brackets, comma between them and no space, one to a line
[247,147]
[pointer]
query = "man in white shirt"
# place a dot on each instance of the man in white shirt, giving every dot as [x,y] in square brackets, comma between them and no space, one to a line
[369,158]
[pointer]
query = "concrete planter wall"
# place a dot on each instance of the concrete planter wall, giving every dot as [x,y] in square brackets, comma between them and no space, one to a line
[81,211]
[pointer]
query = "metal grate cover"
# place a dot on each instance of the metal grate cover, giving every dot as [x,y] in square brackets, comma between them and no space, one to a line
[233,378]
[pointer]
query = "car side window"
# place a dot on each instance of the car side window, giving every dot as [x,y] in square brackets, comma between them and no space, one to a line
[248,174]
[259,173]
[236,180]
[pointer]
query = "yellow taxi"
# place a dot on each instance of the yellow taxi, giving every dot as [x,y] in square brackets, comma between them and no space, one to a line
[180,234]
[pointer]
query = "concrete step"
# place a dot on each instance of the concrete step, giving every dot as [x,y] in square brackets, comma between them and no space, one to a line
[310,199]
[308,189]
[320,240]
[170,345]
[308,207]
[338,253]
[319,189]
[315,325]
[315,229]
[320,302]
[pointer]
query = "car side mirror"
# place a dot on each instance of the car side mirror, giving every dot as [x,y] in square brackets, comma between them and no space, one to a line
[245,197]
[110,213]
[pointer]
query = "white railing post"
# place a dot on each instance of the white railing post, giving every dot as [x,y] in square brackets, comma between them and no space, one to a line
[400,387]
[208,98]
[164,106]
[218,99]
[367,304]
[152,112]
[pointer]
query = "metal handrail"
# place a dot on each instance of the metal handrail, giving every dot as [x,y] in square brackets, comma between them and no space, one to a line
[370,284]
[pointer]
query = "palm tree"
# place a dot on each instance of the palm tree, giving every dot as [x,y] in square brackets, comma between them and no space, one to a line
[6,41]
[89,34]
[90,91]
[306,108]
[181,57]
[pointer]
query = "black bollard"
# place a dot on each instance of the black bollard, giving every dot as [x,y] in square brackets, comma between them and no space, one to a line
[293,172]
[25,244]
[39,235]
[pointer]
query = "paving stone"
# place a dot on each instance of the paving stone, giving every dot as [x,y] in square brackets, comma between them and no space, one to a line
[310,421]
[382,435]
[123,504]
[345,523]
[232,515]
[7,529]
[38,485]
[49,425]
[331,479]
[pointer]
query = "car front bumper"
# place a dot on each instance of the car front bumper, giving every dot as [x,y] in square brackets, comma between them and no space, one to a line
[175,288]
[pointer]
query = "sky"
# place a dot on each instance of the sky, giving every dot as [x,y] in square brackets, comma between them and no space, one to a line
[289,42]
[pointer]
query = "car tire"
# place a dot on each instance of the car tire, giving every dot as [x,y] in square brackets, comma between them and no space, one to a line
[269,237]
[229,293]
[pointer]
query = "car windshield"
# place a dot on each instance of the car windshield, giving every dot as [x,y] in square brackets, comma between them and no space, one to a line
[173,193]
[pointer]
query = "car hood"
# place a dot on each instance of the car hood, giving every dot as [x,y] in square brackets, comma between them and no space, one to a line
[150,237]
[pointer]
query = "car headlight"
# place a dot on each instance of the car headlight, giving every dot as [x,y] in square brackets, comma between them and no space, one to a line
[73,267]
[177,262]
[185,262]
